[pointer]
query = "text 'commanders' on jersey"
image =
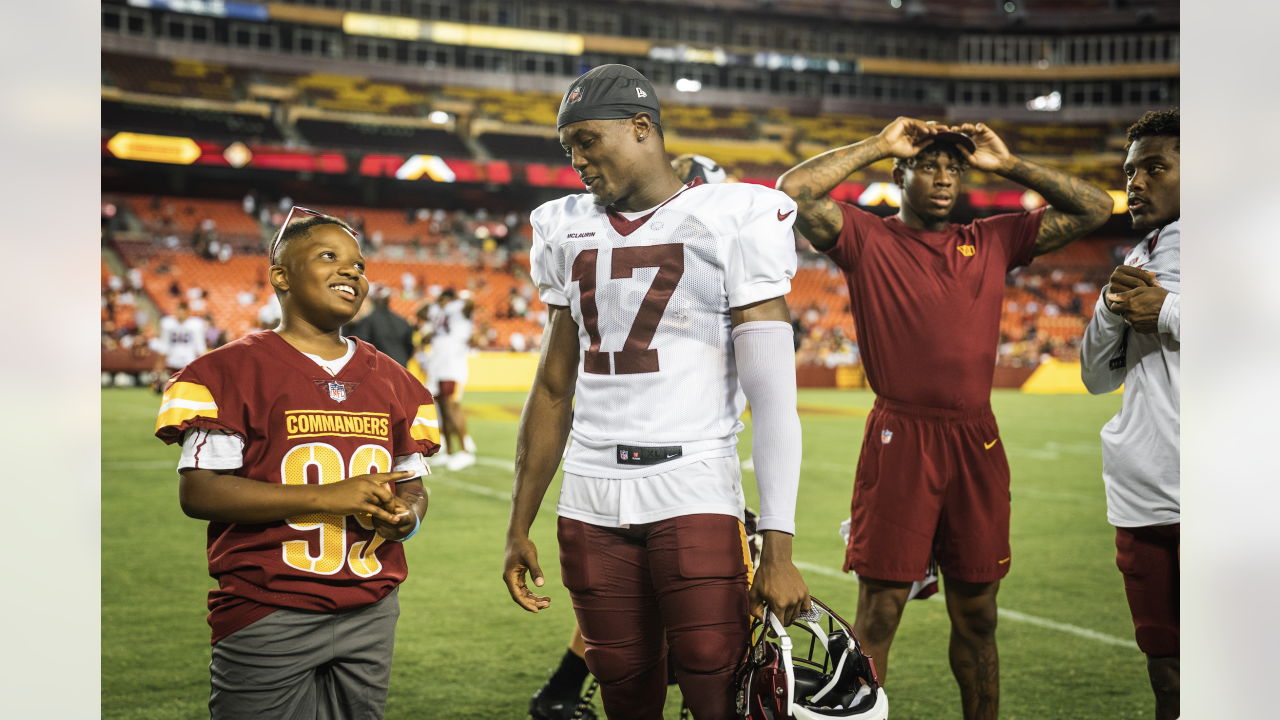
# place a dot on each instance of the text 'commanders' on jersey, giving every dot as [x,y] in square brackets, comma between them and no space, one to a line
[300,425]
[651,297]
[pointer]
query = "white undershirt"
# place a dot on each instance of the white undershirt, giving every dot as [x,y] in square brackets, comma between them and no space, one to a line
[224,450]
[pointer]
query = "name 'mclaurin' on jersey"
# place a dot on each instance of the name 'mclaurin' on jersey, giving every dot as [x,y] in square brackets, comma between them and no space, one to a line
[651,298]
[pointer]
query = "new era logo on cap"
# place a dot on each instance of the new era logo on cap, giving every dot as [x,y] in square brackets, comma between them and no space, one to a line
[641,93]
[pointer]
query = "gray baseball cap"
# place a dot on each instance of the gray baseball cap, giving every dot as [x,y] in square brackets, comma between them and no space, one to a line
[609,92]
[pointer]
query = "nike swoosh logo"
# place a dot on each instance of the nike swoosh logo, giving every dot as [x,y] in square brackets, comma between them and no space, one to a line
[671,456]
[1004,560]
[782,217]
[987,446]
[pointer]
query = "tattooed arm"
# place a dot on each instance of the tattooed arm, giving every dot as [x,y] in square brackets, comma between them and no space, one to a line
[1076,207]
[819,218]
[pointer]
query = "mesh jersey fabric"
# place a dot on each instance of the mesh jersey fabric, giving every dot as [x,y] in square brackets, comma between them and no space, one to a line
[651,299]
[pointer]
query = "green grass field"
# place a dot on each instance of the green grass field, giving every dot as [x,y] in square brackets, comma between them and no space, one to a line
[464,650]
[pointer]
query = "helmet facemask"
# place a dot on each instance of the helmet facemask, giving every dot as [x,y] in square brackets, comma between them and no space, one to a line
[830,678]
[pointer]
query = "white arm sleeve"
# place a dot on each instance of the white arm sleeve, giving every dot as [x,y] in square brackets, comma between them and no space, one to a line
[222,450]
[411,463]
[211,450]
[766,362]
[1171,316]
[1102,343]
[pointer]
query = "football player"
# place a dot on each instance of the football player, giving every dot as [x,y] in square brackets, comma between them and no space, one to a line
[303,450]
[451,327]
[1135,339]
[558,698]
[667,313]
[926,296]
[180,341]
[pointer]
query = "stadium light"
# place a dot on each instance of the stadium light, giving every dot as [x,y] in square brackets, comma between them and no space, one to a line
[1010,7]
[439,117]
[687,85]
[895,4]
[1046,103]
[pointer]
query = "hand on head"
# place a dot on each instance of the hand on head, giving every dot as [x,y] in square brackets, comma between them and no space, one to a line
[905,137]
[991,154]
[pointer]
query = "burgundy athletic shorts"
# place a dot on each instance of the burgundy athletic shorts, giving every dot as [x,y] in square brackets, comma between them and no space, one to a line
[448,388]
[930,480]
[1148,557]
[681,581]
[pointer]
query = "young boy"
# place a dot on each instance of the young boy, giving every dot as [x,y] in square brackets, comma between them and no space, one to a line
[291,439]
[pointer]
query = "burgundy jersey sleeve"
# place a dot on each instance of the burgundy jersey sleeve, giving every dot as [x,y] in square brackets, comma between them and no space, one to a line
[848,248]
[417,427]
[1014,233]
[197,397]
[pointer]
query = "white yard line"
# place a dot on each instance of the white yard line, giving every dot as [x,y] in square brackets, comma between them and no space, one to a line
[1004,612]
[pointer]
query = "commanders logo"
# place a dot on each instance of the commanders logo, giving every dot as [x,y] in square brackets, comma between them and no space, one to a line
[966,250]
[576,95]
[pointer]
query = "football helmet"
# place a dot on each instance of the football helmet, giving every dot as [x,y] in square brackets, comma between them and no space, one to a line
[775,683]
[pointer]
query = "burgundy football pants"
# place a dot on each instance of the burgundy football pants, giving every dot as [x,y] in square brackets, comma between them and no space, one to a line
[681,581]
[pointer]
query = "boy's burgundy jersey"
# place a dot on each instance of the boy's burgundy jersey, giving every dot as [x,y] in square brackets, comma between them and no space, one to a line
[300,425]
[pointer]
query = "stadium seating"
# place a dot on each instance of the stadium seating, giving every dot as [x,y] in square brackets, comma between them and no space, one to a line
[183,216]
[202,123]
[177,78]
[356,94]
[396,138]
[532,148]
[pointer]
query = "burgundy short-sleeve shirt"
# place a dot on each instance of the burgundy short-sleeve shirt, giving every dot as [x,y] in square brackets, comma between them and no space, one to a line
[927,304]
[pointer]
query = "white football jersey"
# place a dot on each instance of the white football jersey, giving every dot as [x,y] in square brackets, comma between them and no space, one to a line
[657,382]
[181,341]
[451,327]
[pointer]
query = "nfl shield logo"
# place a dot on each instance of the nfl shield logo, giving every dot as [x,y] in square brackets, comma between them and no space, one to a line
[886,436]
[622,454]
[338,392]
[575,96]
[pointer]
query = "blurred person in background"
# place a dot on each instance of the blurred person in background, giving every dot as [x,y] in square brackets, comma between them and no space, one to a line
[181,340]
[926,296]
[382,328]
[269,314]
[1134,340]
[450,326]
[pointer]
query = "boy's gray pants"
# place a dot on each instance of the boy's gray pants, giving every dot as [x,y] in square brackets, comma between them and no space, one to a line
[294,665]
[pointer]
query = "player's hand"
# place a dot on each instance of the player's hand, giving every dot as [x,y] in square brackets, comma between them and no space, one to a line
[777,582]
[366,494]
[991,154]
[906,137]
[1125,278]
[522,557]
[1139,307]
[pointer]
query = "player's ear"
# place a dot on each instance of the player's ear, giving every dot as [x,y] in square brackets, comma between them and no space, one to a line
[898,176]
[642,126]
[279,278]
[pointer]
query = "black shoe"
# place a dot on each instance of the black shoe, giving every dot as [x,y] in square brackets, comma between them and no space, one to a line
[542,707]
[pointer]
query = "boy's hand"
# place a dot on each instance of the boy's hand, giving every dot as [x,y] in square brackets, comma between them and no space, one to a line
[403,524]
[362,494]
